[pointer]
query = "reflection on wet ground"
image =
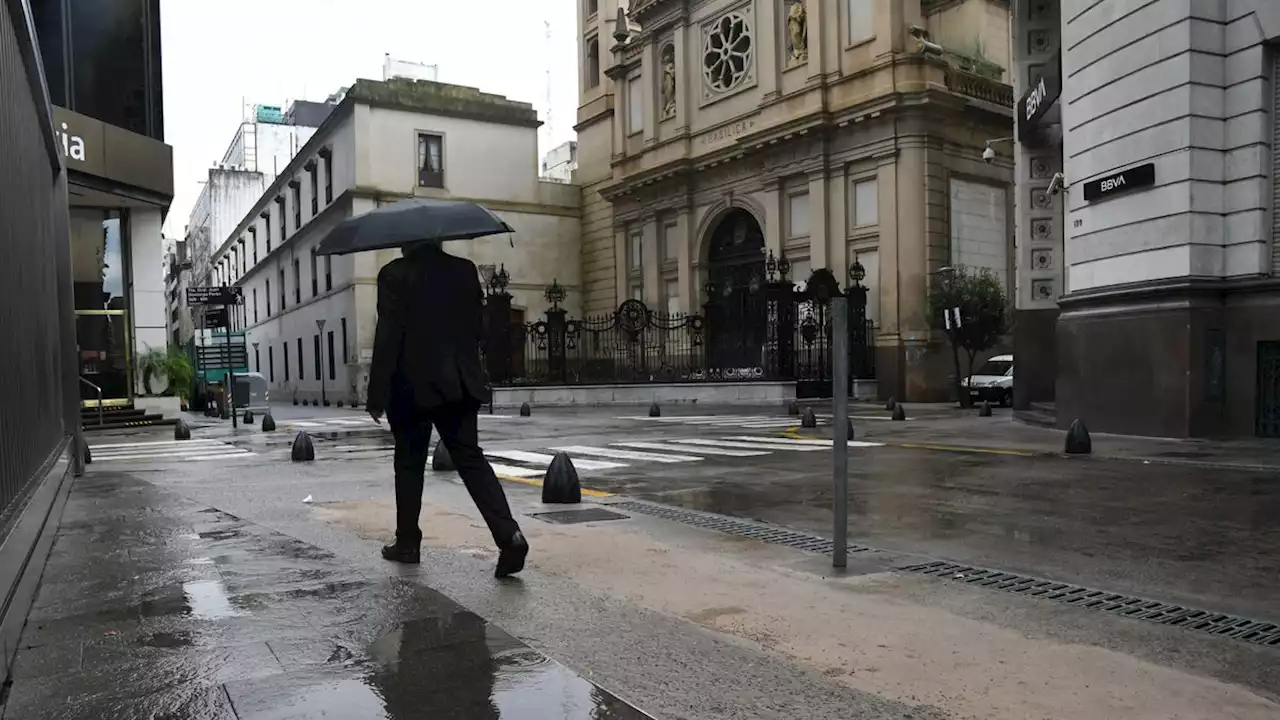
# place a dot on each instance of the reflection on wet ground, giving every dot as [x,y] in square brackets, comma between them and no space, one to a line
[1205,537]
[154,607]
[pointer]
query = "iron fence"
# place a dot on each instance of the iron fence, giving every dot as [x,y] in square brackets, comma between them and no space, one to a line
[39,386]
[772,332]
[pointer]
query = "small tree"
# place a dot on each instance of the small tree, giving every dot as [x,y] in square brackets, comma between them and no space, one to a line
[171,364]
[984,318]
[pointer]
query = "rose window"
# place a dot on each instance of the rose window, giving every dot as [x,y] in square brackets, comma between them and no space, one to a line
[726,52]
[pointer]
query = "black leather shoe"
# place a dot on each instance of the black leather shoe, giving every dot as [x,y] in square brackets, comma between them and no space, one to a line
[511,559]
[408,554]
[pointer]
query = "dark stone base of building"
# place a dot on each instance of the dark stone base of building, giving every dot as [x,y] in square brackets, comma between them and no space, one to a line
[921,372]
[1035,356]
[1187,359]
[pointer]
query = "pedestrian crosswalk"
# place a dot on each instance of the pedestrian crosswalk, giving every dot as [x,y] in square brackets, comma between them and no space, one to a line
[749,422]
[349,422]
[168,450]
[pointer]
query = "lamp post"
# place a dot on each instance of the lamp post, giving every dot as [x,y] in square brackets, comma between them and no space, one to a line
[323,400]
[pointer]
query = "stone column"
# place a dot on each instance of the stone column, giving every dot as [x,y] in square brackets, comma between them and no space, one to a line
[837,233]
[622,278]
[687,252]
[770,28]
[650,76]
[771,195]
[686,59]
[818,16]
[912,280]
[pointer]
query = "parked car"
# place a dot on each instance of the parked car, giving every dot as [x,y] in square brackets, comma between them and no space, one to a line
[992,381]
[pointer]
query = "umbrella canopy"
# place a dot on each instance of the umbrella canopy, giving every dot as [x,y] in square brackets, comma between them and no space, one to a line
[411,221]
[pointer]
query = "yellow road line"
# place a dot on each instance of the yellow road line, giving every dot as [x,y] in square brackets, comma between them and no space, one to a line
[793,433]
[538,483]
[956,448]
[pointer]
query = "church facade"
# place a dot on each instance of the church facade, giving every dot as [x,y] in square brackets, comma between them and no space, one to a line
[713,133]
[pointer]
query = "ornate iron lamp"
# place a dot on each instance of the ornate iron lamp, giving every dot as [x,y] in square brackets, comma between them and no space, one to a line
[857,273]
[555,294]
[498,281]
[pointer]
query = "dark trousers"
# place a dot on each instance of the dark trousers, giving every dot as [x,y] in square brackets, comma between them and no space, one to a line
[457,424]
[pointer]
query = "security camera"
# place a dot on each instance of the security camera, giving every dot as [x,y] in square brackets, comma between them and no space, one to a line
[1057,184]
[989,155]
[929,48]
[918,32]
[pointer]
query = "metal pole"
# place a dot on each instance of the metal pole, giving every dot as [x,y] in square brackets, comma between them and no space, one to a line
[840,438]
[231,376]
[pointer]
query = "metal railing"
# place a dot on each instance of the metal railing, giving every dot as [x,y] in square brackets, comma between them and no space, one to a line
[98,390]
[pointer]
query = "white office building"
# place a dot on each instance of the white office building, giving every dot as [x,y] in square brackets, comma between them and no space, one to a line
[310,320]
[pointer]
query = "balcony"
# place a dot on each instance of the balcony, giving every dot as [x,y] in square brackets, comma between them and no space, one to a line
[978,87]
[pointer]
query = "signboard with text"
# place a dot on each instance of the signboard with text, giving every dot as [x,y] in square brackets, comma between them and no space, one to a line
[1131,179]
[221,295]
[1042,92]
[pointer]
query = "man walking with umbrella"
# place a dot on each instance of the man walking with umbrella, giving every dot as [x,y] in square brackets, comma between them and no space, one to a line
[426,367]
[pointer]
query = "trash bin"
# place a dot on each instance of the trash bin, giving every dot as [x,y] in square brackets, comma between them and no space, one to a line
[251,393]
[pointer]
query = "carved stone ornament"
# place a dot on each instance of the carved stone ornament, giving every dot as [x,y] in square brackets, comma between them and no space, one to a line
[668,82]
[797,33]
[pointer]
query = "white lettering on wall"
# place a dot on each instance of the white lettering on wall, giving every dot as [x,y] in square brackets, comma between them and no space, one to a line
[1035,98]
[72,145]
[1112,184]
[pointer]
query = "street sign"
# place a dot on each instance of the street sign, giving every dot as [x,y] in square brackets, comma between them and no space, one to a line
[221,295]
[215,318]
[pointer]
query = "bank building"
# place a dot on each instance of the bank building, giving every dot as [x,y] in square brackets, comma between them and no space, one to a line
[718,137]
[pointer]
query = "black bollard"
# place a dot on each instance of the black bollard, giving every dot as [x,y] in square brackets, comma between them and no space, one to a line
[984,410]
[560,484]
[808,419]
[268,423]
[849,434]
[248,417]
[88,456]
[440,460]
[899,412]
[525,411]
[181,431]
[304,450]
[1078,441]
[793,408]
[655,411]
[891,404]
[339,403]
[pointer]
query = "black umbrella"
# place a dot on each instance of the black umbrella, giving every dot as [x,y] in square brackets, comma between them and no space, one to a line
[411,221]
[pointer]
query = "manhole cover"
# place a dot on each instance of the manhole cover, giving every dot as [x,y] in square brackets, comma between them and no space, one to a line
[572,517]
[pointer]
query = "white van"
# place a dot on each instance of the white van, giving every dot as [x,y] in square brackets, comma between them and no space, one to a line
[992,381]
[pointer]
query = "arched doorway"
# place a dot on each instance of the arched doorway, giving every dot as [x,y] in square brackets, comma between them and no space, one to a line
[735,298]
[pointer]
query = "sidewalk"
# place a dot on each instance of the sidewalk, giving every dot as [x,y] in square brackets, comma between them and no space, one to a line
[154,606]
[945,426]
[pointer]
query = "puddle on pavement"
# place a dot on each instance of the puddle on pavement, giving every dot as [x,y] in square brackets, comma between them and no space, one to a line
[453,665]
[204,600]
[168,640]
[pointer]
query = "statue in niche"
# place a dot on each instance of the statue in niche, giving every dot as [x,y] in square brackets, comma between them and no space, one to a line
[668,82]
[797,33]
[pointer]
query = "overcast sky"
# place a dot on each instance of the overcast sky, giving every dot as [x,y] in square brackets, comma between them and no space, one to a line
[221,55]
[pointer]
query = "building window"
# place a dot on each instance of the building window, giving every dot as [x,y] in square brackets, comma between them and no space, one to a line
[286,362]
[864,202]
[672,291]
[316,349]
[592,64]
[346,357]
[301,371]
[328,273]
[296,187]
[862,25]
[244,258]
[727,52]
[284,226]
[266,229]
[271,364]
[333,371]
[635,105]
[255,306]
[315,189]
[670,243]
[798,215]
[635,262]
[315,275]
[253,240]
[430,160]
[328,177]
[257,360]
[297,281]
[268,294]
[282,291]
[593,7]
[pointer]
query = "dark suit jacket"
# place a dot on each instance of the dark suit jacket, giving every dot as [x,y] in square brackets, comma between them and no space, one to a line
[430,326]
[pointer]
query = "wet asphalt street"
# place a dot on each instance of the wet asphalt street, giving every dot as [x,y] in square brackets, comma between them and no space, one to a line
[211,615]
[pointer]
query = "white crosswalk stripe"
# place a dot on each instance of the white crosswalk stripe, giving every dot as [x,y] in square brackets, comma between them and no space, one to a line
[168,450]
[763,444]
[625,454]
[545,460]
[727,452]
[351,421]
[747,422]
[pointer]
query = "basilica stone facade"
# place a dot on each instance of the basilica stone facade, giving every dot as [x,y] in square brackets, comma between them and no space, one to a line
[712,132]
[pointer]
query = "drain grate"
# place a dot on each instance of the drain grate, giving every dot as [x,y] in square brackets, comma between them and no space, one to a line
[1255,632]
[733,526]
[573,517]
